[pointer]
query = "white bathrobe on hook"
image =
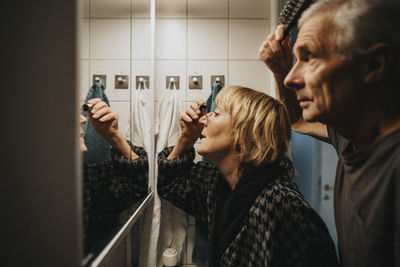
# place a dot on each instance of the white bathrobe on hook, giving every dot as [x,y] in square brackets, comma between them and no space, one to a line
[140,119]
[172,221]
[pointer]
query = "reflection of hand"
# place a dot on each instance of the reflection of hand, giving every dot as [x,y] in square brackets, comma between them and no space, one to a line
[276,55]
[82,120]
[103,119]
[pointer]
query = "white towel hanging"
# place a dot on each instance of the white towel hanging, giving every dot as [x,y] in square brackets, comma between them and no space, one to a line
[140,118]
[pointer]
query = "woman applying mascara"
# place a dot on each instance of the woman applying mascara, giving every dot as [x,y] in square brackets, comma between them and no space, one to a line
[255,213]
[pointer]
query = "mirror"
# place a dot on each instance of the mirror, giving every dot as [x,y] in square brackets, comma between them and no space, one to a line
[116,68]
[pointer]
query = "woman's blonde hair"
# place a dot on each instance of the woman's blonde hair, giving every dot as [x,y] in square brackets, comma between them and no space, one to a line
[261,125]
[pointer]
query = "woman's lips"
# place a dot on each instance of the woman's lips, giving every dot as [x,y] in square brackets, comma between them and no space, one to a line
[303,102]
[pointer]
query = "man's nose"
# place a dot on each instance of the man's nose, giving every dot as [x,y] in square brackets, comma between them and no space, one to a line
[295,78]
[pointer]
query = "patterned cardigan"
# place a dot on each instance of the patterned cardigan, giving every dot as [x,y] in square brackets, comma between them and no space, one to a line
[279,229]
[110,187]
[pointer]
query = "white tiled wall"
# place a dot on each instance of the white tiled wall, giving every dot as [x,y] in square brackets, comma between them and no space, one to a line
[170,39]
[110,9]
[208,9]
[209,37]
[245,37]
[141,48]
[259,9]
[110,38]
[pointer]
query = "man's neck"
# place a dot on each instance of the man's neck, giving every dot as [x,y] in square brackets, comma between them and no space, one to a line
[368,129]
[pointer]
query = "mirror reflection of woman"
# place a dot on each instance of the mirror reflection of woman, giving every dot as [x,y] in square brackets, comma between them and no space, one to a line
[111,186]
[255,213]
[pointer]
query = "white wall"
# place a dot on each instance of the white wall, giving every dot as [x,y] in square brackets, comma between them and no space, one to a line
[40,182]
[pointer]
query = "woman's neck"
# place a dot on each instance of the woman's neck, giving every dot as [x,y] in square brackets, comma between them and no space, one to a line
[229,168]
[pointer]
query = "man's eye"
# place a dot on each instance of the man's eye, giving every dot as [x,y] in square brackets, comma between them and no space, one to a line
[310,56]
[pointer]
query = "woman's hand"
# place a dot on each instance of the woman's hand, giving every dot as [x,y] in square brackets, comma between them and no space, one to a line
[277,54]
[190,128]
[103,119]
[189,121]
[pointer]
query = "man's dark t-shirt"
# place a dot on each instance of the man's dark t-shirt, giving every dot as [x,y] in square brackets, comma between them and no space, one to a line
[367,201]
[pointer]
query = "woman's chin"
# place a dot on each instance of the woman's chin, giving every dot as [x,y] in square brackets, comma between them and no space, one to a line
[201,151]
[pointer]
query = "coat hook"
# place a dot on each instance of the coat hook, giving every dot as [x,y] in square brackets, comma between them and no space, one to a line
[172,82]
[195,80]
[217,80]
[142,82]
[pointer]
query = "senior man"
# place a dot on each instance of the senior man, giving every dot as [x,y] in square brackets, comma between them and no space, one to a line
[344,88]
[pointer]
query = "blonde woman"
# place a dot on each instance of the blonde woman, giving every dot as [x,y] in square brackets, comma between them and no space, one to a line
[255,213]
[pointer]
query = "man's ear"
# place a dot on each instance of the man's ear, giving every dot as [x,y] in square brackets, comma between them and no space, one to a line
[377,63]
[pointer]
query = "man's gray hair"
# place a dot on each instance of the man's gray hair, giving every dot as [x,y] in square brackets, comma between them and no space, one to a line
[359,24]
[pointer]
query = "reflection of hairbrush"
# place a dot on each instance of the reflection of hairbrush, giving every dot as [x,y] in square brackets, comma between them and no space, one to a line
[291,12]
[203,108]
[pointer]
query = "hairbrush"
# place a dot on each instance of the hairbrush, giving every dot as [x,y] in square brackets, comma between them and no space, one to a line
[291,13]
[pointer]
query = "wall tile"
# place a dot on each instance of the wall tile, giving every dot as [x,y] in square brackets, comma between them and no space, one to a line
[170,8]
[112,68]
[206,69]
[84,39]
[169,68]
[141,9]
[110,9]
[84,79]
[170,39]
[245,38]
[141,39]
[110,39]
[249,9]
[124,111]
[252,74]
[207,39]
[208,9]
[85,12]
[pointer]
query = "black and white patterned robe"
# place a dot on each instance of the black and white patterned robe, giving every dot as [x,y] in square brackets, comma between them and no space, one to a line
[112,186]
[279,228]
